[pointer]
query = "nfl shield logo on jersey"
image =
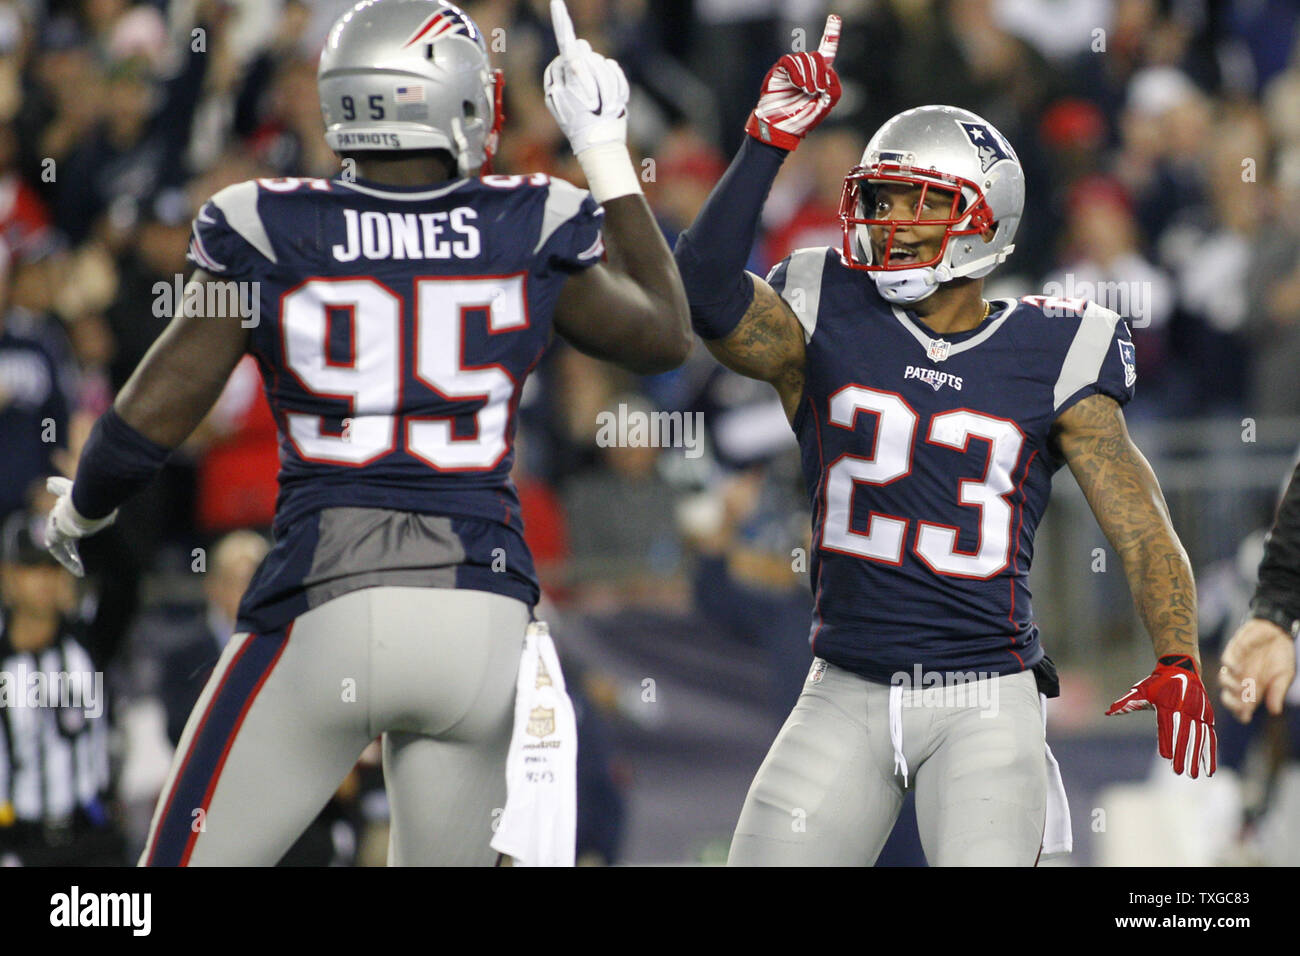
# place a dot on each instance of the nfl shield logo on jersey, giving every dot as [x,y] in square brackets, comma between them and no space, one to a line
[541,722]
[937,350]
[1128,356]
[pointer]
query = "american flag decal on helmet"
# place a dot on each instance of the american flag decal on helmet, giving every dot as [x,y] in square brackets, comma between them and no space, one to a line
[447,20]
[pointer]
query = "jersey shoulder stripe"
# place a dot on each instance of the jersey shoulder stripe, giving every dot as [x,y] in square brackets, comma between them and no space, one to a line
[1098,328]
[563,202]
[238,203]
[569,226]
[228,237]
[798,280]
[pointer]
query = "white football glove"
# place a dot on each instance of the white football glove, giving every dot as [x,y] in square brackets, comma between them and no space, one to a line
[586,93]
[65,526]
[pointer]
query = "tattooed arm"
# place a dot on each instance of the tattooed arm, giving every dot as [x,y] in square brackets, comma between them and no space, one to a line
[767,345]
[1123,493]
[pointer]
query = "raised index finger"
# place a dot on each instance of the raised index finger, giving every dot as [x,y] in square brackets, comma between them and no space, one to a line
[830,38]
[565,38]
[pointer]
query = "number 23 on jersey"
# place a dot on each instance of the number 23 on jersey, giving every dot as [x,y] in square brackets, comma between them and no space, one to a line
[884,536]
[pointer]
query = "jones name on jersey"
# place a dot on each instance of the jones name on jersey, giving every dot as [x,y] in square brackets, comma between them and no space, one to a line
[408,235]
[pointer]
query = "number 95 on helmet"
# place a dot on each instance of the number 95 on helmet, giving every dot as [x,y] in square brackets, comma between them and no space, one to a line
[410,75]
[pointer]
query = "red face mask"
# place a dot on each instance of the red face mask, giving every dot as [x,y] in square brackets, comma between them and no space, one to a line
[939,203]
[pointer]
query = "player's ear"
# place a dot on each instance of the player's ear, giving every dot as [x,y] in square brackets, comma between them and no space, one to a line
[987,234]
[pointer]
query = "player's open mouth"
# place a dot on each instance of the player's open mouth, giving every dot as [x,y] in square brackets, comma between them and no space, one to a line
[902,255]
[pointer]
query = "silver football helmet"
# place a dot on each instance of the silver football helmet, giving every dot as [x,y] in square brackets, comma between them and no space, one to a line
[410,74]
[973,179]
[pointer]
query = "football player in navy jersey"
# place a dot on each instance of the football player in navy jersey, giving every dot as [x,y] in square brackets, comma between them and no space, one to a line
[398,313]
[930,423]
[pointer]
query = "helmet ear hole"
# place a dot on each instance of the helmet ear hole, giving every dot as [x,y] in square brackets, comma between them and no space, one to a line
[468,109]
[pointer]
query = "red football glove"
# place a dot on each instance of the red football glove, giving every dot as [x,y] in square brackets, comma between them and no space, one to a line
[1184,718]
[797,93]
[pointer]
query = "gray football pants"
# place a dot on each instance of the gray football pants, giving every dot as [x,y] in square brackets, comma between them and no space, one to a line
[286,715]
[828,792]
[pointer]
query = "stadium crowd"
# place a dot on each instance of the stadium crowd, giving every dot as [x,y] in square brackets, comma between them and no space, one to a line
[1161,143]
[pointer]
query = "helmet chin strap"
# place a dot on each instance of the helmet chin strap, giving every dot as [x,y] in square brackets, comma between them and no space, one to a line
[905,286]
[902,286]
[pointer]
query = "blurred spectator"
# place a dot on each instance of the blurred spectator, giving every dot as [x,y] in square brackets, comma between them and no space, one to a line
[545,527]
[1165,126]
[152,262]
[686,169]
[818,175]
[1073,133]
[136,145]
[1058,29]
[751,576]
[54,744]
[174,651]
[1272,308]
[625,546]
[33,409]
[239,457]
[1268,30]
[1104,263]
[24,220]
[736,41]
[290,138]
[1207,249]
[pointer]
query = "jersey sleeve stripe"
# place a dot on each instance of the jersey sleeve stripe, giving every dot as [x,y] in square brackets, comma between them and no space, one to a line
[803,287]
[239,205]
[202,257]
[593,250]
[563,200]
[1087,351]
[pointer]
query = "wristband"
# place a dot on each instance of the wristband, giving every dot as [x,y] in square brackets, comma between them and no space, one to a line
[609,170]
[1266,610]
[117,462]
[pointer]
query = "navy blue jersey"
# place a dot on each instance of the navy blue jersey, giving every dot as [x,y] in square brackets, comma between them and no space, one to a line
[394,328]
[929,465]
